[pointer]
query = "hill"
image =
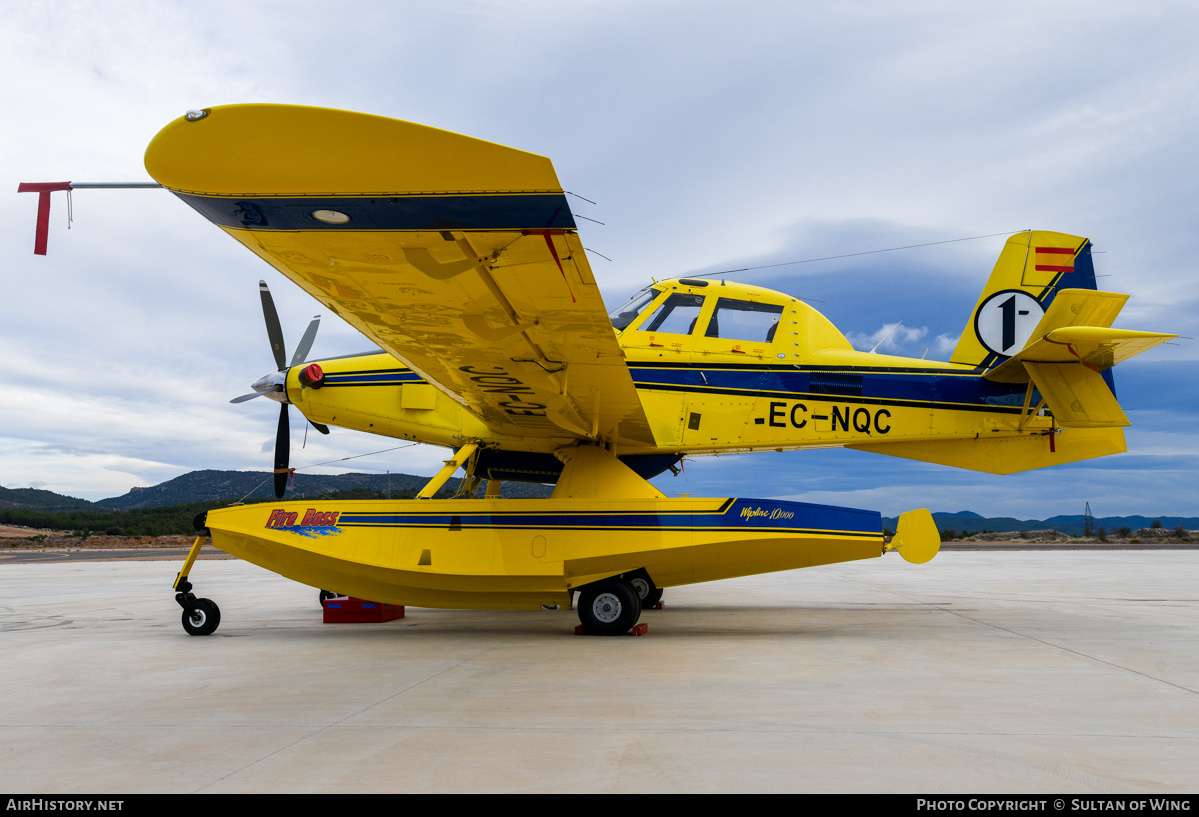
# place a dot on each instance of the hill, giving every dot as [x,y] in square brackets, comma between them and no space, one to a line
[232,486]
[35,499]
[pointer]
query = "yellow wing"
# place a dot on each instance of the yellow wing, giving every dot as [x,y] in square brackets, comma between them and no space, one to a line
[456,255]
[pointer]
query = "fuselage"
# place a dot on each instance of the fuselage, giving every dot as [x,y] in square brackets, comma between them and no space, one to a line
[719,367]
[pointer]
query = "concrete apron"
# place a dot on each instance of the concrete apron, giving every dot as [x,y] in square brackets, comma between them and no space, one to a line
[978,672]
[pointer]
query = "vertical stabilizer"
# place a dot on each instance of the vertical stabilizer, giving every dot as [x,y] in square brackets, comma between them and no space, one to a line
[1032,268]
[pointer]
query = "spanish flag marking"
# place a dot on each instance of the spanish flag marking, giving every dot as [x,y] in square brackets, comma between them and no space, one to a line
[1048,259]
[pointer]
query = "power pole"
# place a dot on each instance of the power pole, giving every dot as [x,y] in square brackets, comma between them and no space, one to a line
[1088,522]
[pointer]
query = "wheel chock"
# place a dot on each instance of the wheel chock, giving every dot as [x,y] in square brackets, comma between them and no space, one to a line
[638,629]
[349,610]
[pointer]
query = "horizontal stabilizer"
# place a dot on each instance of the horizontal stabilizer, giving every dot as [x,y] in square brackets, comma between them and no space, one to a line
[1080,307]
[1099,348]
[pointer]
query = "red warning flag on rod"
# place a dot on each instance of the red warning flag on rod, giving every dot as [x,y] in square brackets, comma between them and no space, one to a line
[43,189]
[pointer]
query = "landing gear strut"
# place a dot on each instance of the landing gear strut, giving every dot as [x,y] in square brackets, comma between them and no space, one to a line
[200,616]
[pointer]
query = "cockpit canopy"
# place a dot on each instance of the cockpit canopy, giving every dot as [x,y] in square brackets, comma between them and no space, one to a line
[687,313]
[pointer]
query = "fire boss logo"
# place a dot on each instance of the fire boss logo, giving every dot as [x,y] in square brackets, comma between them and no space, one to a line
[282,519]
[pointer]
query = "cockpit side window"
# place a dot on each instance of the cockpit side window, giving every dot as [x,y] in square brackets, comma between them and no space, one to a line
[677,315]
[744,320]
[628,312]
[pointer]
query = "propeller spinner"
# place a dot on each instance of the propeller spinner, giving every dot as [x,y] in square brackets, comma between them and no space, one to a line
[274,385]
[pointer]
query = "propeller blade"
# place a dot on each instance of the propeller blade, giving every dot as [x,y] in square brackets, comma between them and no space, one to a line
[243,398]
[282,452]
[306,341]
[273,329]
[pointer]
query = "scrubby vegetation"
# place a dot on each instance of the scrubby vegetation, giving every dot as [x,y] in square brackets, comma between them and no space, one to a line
[164,521]
[1150,535]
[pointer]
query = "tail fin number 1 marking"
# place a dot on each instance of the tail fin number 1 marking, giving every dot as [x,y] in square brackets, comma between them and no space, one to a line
[1005,321]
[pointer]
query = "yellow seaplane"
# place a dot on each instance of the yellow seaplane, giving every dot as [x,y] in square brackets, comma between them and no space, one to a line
[460,259]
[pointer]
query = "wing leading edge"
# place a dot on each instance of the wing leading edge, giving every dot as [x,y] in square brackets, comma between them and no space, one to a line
[456,255]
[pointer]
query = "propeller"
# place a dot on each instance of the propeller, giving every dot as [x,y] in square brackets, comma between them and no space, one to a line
[274,385]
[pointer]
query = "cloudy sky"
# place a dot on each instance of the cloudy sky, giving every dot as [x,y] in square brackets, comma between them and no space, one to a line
[711,136]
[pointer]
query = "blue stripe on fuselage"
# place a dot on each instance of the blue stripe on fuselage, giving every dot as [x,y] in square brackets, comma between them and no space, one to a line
[932,389]
[883,385]
[383,377]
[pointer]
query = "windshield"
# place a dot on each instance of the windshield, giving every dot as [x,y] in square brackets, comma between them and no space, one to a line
[630,309]
[676,316]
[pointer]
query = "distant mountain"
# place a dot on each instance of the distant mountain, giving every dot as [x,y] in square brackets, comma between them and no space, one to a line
[1073,525]
[232,486]
[35,499]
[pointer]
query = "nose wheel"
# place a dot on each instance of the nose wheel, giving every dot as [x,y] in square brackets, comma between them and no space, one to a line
[201,616]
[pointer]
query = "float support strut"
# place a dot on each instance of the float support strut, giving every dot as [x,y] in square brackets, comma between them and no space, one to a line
[451,465]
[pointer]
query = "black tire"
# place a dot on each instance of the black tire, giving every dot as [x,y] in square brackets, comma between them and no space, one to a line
[328,594]
[609,607]
[201,617]
[647,592]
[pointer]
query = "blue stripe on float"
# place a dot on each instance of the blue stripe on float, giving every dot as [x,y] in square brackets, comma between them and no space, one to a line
[742,515]
[495,212]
